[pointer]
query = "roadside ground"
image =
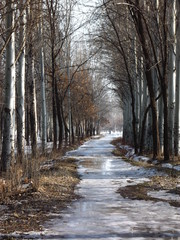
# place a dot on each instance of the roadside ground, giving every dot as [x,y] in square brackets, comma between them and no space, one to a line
[26,206]
[164,187]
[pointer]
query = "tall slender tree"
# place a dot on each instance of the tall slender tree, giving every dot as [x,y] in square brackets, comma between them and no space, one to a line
[9,103]
[21,84]
[43,86]
[177,102]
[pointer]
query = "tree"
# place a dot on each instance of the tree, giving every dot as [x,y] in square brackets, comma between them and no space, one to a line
[43,87]
[177,101]
[142,31]
[31,88]
[21,85]
[9,105]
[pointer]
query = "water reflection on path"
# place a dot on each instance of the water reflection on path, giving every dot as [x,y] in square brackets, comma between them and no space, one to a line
[102,213]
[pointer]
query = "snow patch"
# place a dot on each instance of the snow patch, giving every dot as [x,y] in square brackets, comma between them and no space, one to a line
[131,155]
[167,165]
[141,158]
[165,195]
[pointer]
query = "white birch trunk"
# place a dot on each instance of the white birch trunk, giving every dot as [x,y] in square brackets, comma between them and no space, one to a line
[21,91]
[9,106]
[171,80]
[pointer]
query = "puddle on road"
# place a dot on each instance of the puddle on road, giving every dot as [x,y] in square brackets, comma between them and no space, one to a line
[102,213]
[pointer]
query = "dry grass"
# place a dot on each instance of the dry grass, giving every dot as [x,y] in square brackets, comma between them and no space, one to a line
[139,191]
[32,191]
[156,183]
[27,175]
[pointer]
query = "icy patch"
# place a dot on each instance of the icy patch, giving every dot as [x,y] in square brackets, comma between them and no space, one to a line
[130,150]
[167,165]
[170,166]
[96,137]
[131,155]
[141,158]
[177,167]
[19,235]
[165,195]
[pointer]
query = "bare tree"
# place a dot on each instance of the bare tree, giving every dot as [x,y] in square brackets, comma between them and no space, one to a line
[9,105]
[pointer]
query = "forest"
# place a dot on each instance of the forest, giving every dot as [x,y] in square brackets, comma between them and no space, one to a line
[71,70]
[141,47]
[54,87]
[48,91]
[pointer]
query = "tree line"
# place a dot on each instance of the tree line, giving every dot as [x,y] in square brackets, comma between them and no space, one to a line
[47,88]
[142,60]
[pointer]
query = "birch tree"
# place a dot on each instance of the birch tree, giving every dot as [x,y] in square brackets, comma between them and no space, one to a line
[171,76]
[9,102]
[21,84]
[32,108]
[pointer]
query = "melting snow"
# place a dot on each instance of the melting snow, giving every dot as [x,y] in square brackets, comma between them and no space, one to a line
[165,195]
[102,213]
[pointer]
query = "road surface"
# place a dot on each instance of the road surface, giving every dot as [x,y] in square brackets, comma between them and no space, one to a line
[102,213]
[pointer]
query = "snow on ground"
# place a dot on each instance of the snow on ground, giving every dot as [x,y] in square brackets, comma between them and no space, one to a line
[102,213]
[165,195]
[130,154]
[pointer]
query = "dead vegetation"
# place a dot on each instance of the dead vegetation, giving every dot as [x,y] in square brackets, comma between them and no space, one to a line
[32,193]
[140,191]
[169,182]
[174,160]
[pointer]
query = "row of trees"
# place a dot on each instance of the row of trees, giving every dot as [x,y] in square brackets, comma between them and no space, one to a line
[142,58]
[46,88]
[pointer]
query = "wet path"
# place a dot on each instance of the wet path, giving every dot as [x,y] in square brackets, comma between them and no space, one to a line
[102,213]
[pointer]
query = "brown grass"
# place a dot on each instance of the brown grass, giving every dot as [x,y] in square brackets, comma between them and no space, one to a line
[31,192]
[140,191]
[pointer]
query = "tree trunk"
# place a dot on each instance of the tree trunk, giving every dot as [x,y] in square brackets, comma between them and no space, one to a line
[72,128]
[166,136]
[21,90]
[59,115]
[160,121]
[155,132]
[9,103]
[43,92]
[54,107]
[171,79]
[177,105]
[143,130]
[148,72]
[32,103]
